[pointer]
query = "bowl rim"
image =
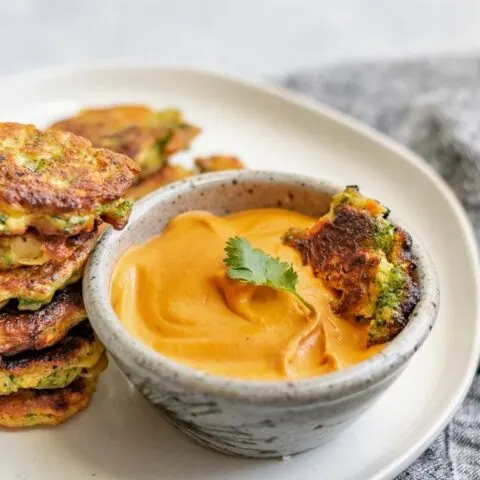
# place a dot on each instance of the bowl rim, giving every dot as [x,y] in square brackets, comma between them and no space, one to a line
[327,387]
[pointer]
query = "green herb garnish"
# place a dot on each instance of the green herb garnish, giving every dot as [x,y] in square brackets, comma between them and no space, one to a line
[251,265]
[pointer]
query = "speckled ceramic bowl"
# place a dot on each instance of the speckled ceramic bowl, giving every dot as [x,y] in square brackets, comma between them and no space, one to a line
[249,418]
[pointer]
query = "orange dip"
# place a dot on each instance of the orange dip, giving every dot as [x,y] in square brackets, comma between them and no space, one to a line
[172,293]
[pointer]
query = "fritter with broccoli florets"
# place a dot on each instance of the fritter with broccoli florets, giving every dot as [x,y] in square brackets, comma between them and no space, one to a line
[149,137]
[58,184]
[30,407]
[365,261]
[53,367]
[27,330]
[34,286]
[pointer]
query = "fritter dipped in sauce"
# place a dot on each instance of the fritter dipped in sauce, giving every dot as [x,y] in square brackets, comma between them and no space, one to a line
[292,300]
[353,268]
[365,261]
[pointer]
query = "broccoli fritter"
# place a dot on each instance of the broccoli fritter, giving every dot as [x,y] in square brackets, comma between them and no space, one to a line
[168,174]
[53,367]
[147,136]
[35,285]
[21,331]
[28,408]
[365,261]
[218,163]
[58,184]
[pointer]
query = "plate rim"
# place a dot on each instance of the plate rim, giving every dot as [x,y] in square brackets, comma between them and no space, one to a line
[403,461]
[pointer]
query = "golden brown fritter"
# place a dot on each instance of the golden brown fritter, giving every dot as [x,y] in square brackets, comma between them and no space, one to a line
[172,173]
[147,136]
[365,261]
[35,285]
[57,183]
[28,408]
[21,331]
[53,367]
[217,163]
[33,249]
[168,174]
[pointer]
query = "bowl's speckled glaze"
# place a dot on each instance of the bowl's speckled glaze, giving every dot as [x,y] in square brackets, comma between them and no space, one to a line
[239,417]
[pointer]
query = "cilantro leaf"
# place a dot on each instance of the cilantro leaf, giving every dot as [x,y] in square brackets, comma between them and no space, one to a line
[252,265]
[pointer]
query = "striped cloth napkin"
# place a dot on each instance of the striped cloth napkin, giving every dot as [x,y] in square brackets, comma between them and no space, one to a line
[433,106]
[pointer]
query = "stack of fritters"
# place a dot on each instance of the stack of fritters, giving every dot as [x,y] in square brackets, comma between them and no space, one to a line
[55,191]
[149,137]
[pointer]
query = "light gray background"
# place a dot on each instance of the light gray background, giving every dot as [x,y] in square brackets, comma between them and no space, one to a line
[253,38]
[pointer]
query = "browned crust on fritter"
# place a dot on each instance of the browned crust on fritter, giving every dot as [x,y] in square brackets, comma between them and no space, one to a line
[123,128]
[134,139]
[181,138]
[402,250]
[21,331]
[217,163]
[39,282]
[91,177]
[401,254]
[365,262]
[131,140]
[339,251]
[168,174]
[129,129]
[30,407]
[62,353]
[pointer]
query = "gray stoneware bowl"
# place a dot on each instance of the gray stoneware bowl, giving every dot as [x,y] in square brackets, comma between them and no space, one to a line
[245,417]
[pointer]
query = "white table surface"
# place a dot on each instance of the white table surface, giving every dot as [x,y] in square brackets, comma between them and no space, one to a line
[253,38]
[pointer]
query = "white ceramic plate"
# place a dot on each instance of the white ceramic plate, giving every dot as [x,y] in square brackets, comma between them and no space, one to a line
[121,436]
